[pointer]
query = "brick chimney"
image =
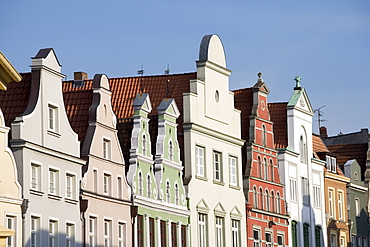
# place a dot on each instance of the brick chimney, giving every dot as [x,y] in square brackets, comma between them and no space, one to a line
[323,132]
[80,76]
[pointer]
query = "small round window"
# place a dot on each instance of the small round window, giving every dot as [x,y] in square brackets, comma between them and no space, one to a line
[217,96]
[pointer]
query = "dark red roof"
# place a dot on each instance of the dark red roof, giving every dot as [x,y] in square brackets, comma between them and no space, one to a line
[278,115]
[243,101]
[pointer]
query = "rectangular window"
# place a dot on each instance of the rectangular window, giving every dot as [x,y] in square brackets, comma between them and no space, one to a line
[53,228]
[140,231]
[173,234]
[70,235]
[53,181]
[70,186]
[119,184]
[92,231]
[122,234]
[183,236]
[107,233]
[35,231]
[95,172]
[107,184]
[256,238]
[163,233]
[53,118]
[331,203]
[233,171]
[202,230]
[199,161]
[280,240]
[359,241]
[316,196]
[35,177]
[219,232]
[106,149]
[333,164]
[235,233]
[342,241]
[151,232]
[353,242]
[357,207]
[365,242]
[305,191]
[332,241]
[328,163]
[268,239]
[293,189]
[11,224]
[217,166]
[340,205]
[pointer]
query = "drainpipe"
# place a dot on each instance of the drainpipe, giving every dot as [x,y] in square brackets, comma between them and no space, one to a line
[134,210]
[24,208]
[83,209]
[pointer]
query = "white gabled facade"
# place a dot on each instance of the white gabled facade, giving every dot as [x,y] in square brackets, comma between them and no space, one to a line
[47,153]
[302,174]
[212,153]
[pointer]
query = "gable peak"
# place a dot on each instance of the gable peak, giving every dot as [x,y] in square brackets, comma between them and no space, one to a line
[212,49]
[142,102]
[46,57]
[261,85]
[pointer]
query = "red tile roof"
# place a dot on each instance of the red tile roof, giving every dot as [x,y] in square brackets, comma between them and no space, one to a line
[318,145]
[278,115]
[243,101]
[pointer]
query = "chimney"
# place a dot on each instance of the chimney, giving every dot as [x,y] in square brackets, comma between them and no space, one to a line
[323,132]
[79,78]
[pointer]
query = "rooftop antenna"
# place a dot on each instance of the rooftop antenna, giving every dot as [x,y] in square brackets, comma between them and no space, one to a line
[141,72]
[167,71]
[319,115]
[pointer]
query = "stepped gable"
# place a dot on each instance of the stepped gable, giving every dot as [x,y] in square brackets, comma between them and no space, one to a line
[278,115]
[14,100]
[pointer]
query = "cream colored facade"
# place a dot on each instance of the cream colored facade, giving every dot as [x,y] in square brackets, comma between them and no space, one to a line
[212,151]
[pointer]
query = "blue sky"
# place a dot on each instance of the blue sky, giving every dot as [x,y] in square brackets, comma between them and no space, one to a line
[327,43]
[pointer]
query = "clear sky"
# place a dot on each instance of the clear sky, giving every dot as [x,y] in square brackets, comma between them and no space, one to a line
[326,42]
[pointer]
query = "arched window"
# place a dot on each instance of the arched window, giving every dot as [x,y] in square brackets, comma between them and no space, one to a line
[140,184]
[294,234]
[170,151]
[255,197]
[261,198]
[271,170]
[306,235]
[259,167]
[168,192]
[144,145]
[267,201]
[303,150]
[177,194]
[266,168]
[263,135]
[149,186]
[278,205]
[318,235]
[273,209]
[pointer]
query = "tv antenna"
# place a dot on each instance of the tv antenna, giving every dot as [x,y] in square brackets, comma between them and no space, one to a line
[141,72]
[319,115]
[167,71]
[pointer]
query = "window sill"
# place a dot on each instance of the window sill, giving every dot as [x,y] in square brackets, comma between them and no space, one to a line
[36,192]
[218,182]
[70,200]
[234,187]
[54,197]
[201,178]
[53,133]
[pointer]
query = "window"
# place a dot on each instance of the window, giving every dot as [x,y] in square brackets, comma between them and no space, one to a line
[140,183]
[318,235]
[233,171]
[328,163]
[168,192]
[256,238]
[259,167]
[303,150]
[11,224]
[365,242]
[332,240]
[340,205]
[119,184]
[342,242]
[53,227]
[305,191]
[202,230]
[144,145]
[359,241]
[163,233]
[140,231]
[255,197]
[261,199]
[266,168]
[217,166]
[268,239]
[70,186]
[35,177]
[263,135]
[219,232]
[333,164]
[149,186]
[294,234]
[357,207]
[174,234]
[272,170]
[151,232]
[35,231]
[177,194]
[170,151]
[267,200]
[316,196]
[293,189]
[183,236]
[53,181]
[107,184]
[92,231]
[53,118]
[107,233]
[306,235]
[278,205]
[106,149]
[353,241]
[70,235]
[331,203]
[235,233]
[273,208]
[199,160]
[122,234]
[95,172]
[280,241]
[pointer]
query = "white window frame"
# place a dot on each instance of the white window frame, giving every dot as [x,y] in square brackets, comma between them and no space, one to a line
[121,234]
[217,166]
[107,184]
[199,161]
[316,196]
[53,118]
[92,230]
[70,186]
[331,203]
[53,233]
[107,232]
[202,230]
[269,243]
[35,231]
[281,236]
[107,148]
[35,176]
[53,181]
[293,189]
[357,207]
[70,234]
[305,191]
[256,241]
[219,222]
[233,170]
[235,233]
[11,223]
[341,205]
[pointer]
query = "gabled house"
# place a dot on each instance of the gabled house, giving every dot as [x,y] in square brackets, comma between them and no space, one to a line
[267,221]
[301,173]
[47,153]
[336,193]
[105,193]
[10,189]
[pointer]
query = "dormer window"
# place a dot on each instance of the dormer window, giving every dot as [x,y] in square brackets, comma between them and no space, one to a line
[331,164]
[53,124]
